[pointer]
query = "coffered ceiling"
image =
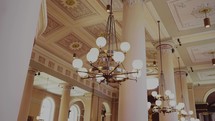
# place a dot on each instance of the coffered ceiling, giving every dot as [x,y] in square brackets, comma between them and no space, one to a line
[74,25]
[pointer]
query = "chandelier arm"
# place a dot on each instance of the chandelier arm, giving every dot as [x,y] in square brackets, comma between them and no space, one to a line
[91,64]
[113,69]
[85,72]
[91,77]
[126,73]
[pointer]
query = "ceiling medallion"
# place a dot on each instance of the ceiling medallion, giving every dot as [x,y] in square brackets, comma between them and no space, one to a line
[76,45]
[69,3]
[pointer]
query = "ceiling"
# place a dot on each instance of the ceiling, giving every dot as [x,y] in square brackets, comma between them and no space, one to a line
[74,25]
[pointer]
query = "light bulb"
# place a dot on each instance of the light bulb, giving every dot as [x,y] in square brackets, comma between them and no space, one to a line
[183,112]
[82,72]
[158,102]
[125,46]
[91,57]
[100,42]
[171,96]
[172,103]
[191,112]
[99,78]
[77,63]
[94,51]
[149,105]
[154,93]
[167,92]
[152,83]
[136,75]
[118,57]
[137,64]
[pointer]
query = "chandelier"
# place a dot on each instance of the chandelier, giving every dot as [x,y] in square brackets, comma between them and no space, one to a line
[106,60]
[164,103]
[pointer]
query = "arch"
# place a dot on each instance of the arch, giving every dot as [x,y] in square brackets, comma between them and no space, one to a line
[74,114]
[208,93]
[107,107]
[47,109]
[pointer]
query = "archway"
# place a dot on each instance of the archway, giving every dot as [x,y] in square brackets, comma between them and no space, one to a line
[105,112]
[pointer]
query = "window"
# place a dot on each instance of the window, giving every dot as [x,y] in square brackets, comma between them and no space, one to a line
[47,109]
[74,114]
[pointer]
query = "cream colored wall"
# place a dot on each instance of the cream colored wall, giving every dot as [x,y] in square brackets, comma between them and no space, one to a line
[200,91]
[37,98]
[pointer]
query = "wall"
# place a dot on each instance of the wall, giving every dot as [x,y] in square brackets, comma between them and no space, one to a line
[200,91]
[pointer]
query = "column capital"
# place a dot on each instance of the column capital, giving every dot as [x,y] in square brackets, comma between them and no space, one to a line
[183,72]
[32,70]
[164,45]
[65,86]
[131,2]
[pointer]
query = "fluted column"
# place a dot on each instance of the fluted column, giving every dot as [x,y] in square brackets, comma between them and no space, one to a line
[133,95]
[64,103]
[26,97]
[168,71]
[192,99]
[181,88]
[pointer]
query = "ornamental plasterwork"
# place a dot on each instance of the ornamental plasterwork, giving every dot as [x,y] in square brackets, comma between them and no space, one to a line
[53,25]
[76,9]
[73,44]
[95,30]
[117,4]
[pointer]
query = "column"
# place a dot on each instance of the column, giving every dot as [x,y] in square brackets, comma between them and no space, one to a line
[192,99]
[17,30]
[64,103]
[182,88]
[26,97]
[168,71]
[132,94]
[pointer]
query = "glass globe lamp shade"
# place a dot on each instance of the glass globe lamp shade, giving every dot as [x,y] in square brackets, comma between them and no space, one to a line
[94,51]
[100,42]
[158,102]
[154,93]
[149,105]
[171,96]
[136,75]
[82,72]
[183,112]
[152,83]
[125,46]
[118,57]
[167,92]
[91,57]
[192,119]
[77,63]
[137,64]
[99,78]
[172,103]
[190,112]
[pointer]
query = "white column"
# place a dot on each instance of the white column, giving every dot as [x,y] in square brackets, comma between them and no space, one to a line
[168,71]
[181,88]
[64,103]
[133,95]
[26,97]
[192,99]
[17,30]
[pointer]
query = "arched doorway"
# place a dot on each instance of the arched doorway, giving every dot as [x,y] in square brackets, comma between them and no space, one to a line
[105,112]
[76,112]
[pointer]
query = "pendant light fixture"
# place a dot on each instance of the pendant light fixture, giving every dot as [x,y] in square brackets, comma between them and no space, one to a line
[106,62]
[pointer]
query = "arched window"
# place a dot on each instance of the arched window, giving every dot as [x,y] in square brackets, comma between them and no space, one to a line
[47,109]
[74,114]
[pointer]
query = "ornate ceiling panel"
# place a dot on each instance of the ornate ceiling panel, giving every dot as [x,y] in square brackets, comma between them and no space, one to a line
[53,25]
[95,30]
[206,74]
[76,9]
[187,15]
[201,53]
[73,44]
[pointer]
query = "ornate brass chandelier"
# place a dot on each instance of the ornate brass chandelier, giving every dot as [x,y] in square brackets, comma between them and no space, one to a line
[106,62]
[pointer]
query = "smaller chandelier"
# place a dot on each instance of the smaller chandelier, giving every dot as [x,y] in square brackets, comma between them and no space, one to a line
[106,60]
[165,103]
[186,116]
